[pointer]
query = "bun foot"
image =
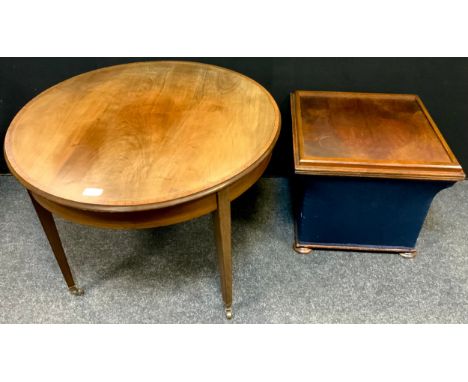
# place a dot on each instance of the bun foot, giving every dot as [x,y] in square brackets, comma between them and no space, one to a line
[74,290]
[228,310]
[302,250]
[408,255]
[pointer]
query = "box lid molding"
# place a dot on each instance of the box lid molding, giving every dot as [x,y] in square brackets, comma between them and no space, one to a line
[362,167]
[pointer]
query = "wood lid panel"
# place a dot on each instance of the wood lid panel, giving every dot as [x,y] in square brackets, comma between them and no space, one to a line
[367,134]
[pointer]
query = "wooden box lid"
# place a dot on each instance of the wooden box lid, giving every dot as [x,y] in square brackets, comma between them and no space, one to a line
[369,135]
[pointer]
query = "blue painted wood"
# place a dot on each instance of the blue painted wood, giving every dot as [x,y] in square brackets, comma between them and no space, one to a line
[381,214]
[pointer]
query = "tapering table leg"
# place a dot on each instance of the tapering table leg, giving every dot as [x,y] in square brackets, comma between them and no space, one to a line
[222,223]
[50,229]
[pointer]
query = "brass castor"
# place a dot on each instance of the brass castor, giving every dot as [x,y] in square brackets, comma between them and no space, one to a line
[408,255]
[302,250]
[228,310]
[75,291]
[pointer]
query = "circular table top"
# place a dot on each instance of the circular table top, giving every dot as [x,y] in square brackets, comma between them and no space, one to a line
[141,136]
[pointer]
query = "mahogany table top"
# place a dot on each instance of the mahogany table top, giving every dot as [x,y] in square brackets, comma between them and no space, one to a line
[142,135]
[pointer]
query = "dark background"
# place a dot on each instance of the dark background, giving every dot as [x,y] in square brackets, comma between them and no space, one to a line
[442,83]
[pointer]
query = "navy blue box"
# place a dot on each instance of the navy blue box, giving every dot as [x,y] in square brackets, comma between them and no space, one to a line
[367,168]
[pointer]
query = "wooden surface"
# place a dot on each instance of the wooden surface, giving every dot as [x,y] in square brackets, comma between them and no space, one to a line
[50,230]
[222,224]
[364,134]
[155,217]
[141,136]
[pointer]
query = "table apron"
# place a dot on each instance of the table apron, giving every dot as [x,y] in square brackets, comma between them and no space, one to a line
[154,217]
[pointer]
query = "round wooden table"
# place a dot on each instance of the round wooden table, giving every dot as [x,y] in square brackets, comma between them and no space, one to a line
[144,145]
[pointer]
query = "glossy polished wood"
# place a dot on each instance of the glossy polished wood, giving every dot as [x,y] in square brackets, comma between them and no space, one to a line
[144,145]
[141,136]
[156,217]
[368,134]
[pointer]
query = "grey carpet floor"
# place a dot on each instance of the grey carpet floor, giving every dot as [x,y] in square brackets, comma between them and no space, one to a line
[169,275]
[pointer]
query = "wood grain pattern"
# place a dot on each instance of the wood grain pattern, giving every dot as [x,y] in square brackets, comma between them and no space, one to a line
[144,145]
[141,136]
[152,218]
[365,134]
